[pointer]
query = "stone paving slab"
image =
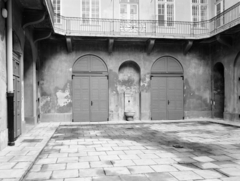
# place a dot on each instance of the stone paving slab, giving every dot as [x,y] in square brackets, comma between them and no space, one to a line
[143,150]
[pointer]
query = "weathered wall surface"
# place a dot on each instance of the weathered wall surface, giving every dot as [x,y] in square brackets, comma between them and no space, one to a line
[229,57]
[56,72]
[3,84]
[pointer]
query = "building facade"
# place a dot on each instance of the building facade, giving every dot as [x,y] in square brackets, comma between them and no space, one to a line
[158,58]
[117,60]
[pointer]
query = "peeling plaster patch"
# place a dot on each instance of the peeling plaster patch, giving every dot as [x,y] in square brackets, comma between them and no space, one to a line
[113,79]
[63,97]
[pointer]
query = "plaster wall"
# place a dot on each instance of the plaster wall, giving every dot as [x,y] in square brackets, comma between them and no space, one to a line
[3,83]
[56,72]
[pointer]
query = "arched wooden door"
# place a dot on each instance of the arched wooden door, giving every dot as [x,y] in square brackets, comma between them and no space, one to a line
[90,90]
[167,89]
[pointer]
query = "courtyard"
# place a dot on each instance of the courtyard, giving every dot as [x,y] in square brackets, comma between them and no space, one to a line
[182,151]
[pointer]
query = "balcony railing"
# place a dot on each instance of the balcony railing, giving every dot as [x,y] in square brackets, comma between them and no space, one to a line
[145,28]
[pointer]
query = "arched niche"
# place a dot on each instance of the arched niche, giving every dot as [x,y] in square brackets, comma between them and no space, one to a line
[218,90]
[167,89]
[129,88]
[89,63]
[28,82]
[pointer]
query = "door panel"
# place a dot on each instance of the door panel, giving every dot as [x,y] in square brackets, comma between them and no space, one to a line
[81,106]
[167,98]
[158,98]
[175,98]
[99,98]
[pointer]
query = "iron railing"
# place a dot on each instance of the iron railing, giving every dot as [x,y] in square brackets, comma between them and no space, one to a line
[145,28]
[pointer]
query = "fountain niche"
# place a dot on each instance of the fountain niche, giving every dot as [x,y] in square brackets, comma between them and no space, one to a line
[128,89]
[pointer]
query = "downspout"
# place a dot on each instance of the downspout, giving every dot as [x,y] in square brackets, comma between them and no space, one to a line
[10,91]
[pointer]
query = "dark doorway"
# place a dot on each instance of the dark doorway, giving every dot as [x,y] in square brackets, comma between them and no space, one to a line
[218,91]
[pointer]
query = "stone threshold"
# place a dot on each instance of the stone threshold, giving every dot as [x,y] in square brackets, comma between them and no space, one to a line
[217,121]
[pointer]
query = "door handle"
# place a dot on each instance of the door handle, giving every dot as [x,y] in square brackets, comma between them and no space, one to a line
[91,103]
[168,102]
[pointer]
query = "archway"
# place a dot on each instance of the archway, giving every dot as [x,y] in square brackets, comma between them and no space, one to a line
[129,88]
[90,89]
[218,91]
[29,82]
[167,89]
[236,90]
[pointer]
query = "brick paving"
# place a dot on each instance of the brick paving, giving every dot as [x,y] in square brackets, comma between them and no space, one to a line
[183,151]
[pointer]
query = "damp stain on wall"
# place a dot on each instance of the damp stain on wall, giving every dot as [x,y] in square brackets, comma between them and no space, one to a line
[45,104]
[145,83]
[195,101]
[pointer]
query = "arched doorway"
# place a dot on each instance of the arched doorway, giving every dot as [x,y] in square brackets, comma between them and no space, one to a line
[167,89]
[90,89]
[218,91]
[236,90]
[129,88]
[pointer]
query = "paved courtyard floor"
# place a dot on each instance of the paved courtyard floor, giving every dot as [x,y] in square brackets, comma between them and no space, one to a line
[191,151]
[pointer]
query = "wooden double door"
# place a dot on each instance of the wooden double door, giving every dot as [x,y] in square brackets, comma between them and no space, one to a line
[167,98]
[90,98]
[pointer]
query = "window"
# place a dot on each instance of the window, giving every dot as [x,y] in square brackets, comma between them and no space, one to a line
[199,13]
[90,11]
[57,10]
[165,12]
[129,10]
[218,11]
[129,16]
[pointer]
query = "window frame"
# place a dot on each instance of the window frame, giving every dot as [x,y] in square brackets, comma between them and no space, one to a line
[199,4]
[90,13]
[60,14]
[128,12]
[165,2]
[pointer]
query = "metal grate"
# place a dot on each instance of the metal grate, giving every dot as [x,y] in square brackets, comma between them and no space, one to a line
[31,140]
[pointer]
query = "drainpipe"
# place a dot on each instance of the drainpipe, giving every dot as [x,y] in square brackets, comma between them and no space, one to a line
[10,92]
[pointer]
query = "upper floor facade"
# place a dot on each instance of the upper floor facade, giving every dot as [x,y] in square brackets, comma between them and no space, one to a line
[191,19]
